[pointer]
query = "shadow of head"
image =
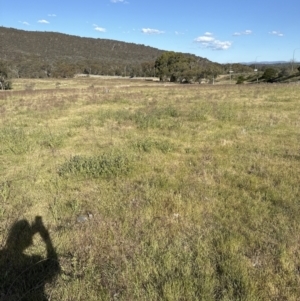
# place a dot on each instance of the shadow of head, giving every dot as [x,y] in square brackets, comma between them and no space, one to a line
[20,236]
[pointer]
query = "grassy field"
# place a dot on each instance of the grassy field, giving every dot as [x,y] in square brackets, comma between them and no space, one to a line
[192,191]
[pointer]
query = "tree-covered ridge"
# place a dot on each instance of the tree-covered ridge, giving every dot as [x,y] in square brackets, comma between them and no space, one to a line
[56,45]
[44,54]
[49,54]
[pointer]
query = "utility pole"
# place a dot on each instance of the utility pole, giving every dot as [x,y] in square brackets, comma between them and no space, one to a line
[294,59]
[230,71]
[255,69]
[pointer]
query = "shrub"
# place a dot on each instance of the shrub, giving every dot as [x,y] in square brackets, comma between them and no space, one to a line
[240,80]
[270,74]
[4,83]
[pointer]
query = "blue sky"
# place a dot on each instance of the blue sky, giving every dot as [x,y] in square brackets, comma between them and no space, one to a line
[224,31]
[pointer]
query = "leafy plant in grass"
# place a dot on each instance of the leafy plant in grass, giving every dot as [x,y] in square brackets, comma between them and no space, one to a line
[105,166]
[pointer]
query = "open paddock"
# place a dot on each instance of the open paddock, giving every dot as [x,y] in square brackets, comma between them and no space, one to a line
[155,191]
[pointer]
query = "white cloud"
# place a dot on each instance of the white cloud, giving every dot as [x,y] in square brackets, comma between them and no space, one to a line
[43,21]
[24,23]
[209,41]
[118,1]
[276,33]
[100,29]
[246,32]
[51,15]
[204,39]
[219,45]
[152,31]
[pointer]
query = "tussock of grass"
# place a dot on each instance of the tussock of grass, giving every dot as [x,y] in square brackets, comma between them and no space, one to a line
[105,165]
[194,190]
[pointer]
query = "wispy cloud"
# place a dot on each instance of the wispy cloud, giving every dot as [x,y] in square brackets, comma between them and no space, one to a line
[241,33]
[276,33]
[98,28]
[43,21]
[209,41]
[152,31]
[51,15]
[118,1]
[181,32]
[24,23]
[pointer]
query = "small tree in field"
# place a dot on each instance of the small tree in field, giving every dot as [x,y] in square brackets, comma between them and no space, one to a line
[172,65]
[5,84]
[240,80]
[270,74]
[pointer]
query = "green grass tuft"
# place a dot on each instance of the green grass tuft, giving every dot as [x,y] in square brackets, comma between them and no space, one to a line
[105,166]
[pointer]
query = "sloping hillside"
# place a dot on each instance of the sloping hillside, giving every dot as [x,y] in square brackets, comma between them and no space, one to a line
[53,45]
[39,54]
[51,54]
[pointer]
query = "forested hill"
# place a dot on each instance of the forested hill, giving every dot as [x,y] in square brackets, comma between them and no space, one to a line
[42,54]
[50,54]
[52,45]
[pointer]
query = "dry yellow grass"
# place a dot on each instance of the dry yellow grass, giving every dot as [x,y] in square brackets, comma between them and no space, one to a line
[193,189]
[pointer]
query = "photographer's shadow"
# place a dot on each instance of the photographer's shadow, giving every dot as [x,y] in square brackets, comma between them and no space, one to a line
[23,277]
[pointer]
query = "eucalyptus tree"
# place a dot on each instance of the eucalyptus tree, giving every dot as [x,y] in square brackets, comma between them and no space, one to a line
[174,66]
